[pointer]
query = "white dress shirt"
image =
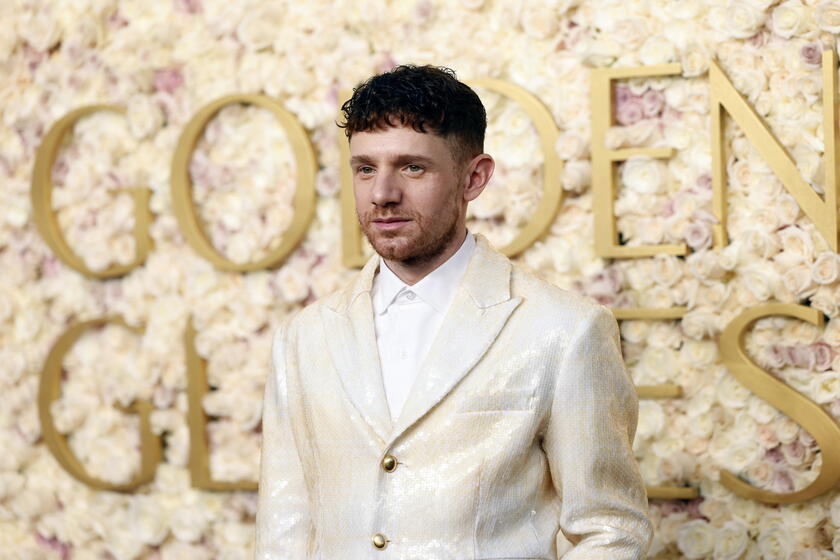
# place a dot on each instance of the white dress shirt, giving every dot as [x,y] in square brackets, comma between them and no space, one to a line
[407,318]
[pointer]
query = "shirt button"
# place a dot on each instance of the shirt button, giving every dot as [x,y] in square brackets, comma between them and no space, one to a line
[410,296]
[389,463]
[379,541]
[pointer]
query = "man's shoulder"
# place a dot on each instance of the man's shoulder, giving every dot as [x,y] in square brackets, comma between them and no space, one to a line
[304,318]
[543,298]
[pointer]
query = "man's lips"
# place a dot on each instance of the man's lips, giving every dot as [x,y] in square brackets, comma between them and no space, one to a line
[390,223]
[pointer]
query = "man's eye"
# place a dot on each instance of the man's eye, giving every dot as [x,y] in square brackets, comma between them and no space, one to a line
[365,170]
[413,168]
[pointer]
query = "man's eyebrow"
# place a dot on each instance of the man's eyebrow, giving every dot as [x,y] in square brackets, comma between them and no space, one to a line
[412,158]
[400,159]
[360,159]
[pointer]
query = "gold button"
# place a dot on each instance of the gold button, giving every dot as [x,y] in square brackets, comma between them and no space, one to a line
[389,463]
[379,541]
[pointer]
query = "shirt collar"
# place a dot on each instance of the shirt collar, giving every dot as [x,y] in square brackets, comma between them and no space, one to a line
[436,288]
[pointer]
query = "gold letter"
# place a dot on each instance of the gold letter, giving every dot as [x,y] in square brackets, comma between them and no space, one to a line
[603,178]
[197,387]
[41,195]
[304,202]
[549,203]
[822,211]
[49,390]
[799,408]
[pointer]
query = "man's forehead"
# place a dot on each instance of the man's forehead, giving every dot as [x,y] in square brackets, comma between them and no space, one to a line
[397,140]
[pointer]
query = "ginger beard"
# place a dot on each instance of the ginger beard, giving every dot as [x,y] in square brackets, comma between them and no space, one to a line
[421,239]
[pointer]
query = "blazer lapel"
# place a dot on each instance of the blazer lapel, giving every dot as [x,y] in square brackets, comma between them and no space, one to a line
[480,309]
[351,339]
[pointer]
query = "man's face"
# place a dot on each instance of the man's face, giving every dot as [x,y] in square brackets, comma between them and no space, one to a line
[408,188]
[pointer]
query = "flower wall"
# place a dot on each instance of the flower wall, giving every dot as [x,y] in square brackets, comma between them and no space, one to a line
[163,60]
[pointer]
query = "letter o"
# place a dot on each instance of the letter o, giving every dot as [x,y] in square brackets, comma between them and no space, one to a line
[181,184]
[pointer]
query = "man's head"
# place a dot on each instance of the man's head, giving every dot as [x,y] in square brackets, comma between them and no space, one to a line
[416,144]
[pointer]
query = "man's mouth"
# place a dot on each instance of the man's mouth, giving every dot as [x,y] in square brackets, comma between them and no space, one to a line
[389,223]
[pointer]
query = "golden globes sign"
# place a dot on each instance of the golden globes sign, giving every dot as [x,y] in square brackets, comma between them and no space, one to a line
[823,211]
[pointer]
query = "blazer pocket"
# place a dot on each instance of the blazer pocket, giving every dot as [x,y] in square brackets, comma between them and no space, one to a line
[508,400]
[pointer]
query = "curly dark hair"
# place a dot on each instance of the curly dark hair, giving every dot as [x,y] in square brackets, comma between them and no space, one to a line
[426,98]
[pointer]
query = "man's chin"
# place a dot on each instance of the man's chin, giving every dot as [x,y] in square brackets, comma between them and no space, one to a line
[393,249]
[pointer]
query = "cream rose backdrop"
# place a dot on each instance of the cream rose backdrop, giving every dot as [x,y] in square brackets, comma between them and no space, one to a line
[163,60]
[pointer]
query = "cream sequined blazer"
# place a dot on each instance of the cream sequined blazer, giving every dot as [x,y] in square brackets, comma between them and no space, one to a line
[517,434]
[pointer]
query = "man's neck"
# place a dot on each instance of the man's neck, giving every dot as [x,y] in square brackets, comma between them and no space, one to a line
[414,272]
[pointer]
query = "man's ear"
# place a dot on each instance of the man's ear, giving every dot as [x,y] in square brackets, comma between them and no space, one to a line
[479,171]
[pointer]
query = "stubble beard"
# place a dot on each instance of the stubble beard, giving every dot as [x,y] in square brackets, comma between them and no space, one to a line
[429,239]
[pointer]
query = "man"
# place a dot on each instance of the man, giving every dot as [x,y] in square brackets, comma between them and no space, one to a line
[445,404]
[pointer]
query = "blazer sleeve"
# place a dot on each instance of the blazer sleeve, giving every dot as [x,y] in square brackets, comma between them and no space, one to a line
[283,523]
[589,446]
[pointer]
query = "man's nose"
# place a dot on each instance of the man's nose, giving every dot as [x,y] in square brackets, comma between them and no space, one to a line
[386,189]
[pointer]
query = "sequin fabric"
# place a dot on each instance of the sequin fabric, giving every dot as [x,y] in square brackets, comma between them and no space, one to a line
[515,442]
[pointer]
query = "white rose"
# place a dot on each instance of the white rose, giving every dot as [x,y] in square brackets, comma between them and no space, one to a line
[747,511]
[698,324]
[741,453]
[657,50]
[640,132]
[8,40]
[760,279]
[831,333]
[694,62]
[664,335]
[656,365]
[260,26]
[760,410]
[774,541]
[634,331]
[40,30]
[704,265]
[696,538]
[803,515]
[571,145]
[651,419]
[731,541]
[826,268]
[730,257]
[741,20]
[631,32]
[675,467]
[188,523]
[787,210]
[731,393]
[144,116]
[825,387]
[11,483]
[615,137]
[786,429]
[539,20]
[760,474]
[788,19]
[666,270]
[577,175]
[797,280]
[667,446]
[761,243]
[834,511]
[827,17]
[644,175]
[698,353]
